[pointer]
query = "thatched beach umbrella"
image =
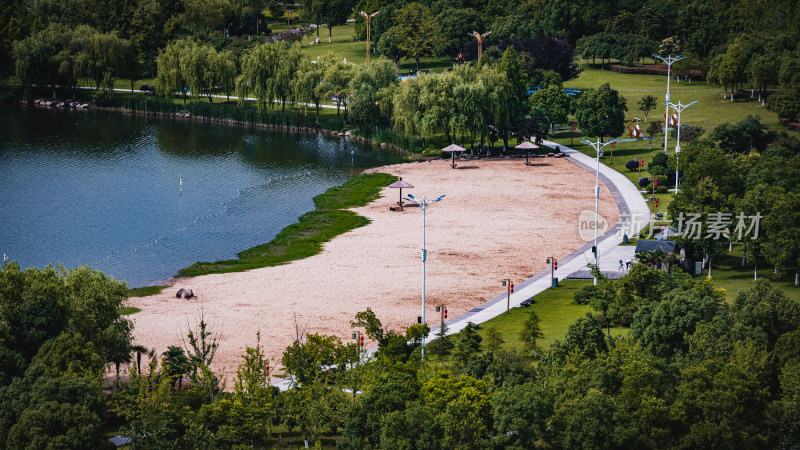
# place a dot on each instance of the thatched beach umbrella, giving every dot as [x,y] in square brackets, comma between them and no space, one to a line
[453,148]
[400,184]
[527,145]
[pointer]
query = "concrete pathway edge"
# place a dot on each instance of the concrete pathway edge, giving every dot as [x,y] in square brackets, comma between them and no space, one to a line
[629,201]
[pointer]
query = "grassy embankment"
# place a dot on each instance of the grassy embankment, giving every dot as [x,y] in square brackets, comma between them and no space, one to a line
[556,309]
[305,238]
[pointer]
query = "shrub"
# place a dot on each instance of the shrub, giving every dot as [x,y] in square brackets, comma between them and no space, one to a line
[644,182]
[656,169]
[659,160]
[688,134]
[660,189]
[585,294]
[632,164]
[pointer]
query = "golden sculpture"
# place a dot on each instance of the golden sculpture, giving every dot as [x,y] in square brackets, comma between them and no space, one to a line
[480,38]
[368,18]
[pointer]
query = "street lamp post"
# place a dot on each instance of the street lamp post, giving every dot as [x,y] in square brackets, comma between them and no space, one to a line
[668,61]
[368,18]
[509,289]
[598,147]
[679,108]
[424,204]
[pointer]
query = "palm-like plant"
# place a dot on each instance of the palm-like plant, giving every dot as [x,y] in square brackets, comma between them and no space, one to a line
[176,363]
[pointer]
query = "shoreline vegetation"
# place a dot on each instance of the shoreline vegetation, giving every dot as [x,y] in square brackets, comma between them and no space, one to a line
[305,238]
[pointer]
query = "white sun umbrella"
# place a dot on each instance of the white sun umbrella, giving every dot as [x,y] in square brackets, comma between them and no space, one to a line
[453,148]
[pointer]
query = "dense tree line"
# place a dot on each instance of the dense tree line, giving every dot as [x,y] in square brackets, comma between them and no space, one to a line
[695,372]
[741,170]
[59,330]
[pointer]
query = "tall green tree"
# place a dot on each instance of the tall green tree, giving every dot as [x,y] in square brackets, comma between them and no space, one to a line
[531,331]
[48,58]
[99,54]
[782,225]
[468,344]
[337,84]
[555,101]
[601,112]
[647,104]
[171,78]
[332,13]
[417,31]
[269,72]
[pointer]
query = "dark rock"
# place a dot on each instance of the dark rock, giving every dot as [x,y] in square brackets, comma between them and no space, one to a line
[184,293]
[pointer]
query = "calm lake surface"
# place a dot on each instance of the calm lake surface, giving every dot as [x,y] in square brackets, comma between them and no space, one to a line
[141,198]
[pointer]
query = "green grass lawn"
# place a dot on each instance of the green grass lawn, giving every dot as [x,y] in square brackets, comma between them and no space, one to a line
[728,273]
[710,111]
[343,46]
[556,309]
[305,238]
[128,310]
[146,291]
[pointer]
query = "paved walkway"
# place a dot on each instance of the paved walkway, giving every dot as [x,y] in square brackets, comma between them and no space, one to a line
[629,200]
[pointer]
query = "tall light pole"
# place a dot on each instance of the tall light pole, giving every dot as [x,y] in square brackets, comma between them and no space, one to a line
[668,61]
[679,108]
[424,204]
[598,147]
[480,38]
[368,18]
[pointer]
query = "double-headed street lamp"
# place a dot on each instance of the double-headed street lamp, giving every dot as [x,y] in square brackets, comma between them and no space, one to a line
[424,204]
[598,147]
[668,61]
[368,18]
[679,108]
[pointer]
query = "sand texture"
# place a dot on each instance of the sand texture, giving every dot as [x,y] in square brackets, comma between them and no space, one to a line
[500,219]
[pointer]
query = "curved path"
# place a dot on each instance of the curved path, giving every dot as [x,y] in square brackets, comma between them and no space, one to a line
[629,201]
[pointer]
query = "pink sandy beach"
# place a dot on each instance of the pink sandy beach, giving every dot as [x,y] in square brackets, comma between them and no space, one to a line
[500,219]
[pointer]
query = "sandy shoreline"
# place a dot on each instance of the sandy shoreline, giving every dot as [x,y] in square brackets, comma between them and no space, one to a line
[500,219]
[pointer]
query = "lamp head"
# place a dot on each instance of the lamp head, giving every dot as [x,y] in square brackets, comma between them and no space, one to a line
[440,197]
[410,196]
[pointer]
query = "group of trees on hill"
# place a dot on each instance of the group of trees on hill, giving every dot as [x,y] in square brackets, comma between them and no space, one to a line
[59,331]
[694,372]
[742,170]
[57,43]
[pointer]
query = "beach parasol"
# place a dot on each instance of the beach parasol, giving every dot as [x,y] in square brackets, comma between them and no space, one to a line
[400,184]
[527,145]
[453,148]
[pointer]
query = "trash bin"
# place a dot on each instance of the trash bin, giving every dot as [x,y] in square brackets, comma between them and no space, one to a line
[555,282]
[624,238]
[698,268]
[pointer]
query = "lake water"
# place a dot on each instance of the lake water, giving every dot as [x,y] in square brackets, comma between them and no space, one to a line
[140,198]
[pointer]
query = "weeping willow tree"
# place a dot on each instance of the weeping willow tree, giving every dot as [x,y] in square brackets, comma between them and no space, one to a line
[269,74]
[188,67]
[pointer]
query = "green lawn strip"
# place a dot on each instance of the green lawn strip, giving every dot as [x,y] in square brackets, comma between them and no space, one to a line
[727,273]
[556,309]
[146,291]
[128,310]
[305,238]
